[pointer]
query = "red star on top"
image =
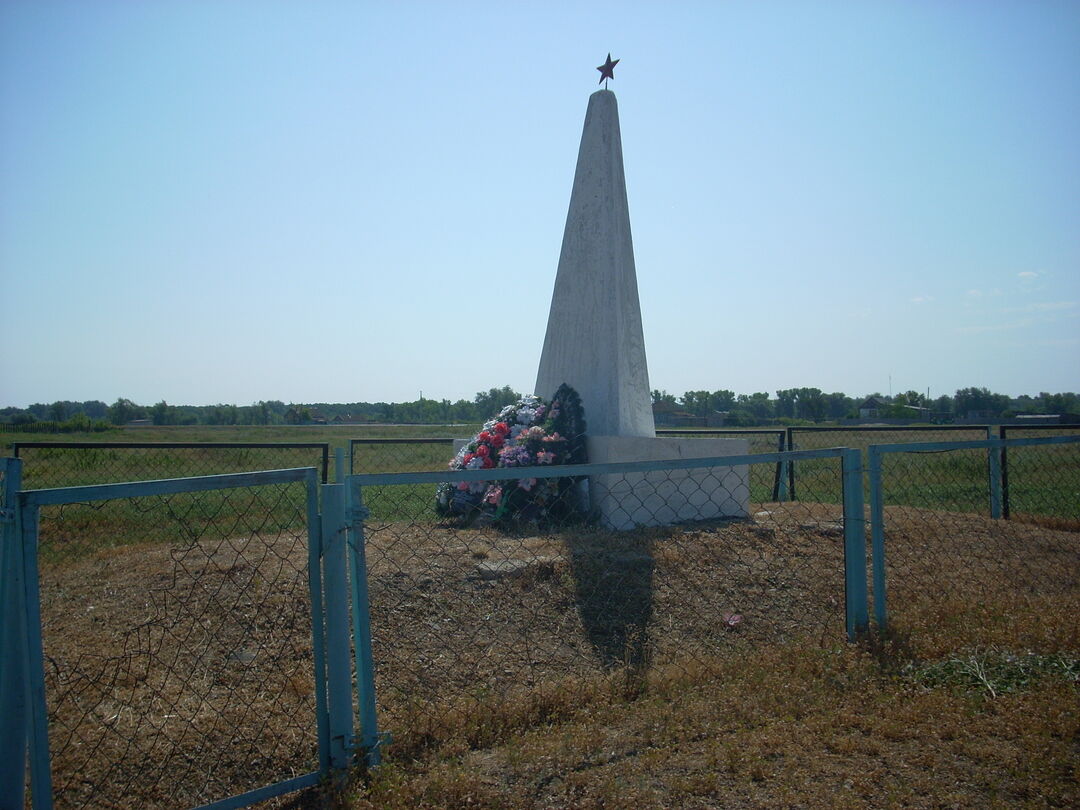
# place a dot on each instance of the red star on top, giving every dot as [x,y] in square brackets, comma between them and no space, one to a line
[607,70]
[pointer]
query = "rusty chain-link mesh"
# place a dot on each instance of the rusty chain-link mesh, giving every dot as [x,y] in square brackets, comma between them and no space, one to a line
[480,624]
[69,464]
[178,650]
[953,569]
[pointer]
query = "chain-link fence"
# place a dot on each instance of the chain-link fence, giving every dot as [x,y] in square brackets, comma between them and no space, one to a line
[399,454]
[947,567]
[67,464]
[1041,484]
[803,484]
[376,455]
[481,620]
[176,626]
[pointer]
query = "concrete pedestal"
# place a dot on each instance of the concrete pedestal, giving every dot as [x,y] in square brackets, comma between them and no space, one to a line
[663,497]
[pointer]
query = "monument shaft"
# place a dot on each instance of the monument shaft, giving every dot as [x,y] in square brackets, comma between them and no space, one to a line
[594,339]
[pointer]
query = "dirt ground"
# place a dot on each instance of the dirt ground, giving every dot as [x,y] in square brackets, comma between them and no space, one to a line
[178,675]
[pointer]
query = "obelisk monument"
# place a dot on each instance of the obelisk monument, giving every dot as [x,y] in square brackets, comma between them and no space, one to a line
[595,343]
[594,337]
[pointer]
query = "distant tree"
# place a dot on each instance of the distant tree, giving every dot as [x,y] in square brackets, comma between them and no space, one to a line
[722,400]
[809,404]
[57,412]
[980,400]
[838,405]
[95,409]
[161,413]
[124,410]
[664,397]
[944,404]
[912,398]
[695,402]
[491,402]
[785,402]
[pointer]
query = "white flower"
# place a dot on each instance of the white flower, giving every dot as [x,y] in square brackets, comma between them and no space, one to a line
[475,463]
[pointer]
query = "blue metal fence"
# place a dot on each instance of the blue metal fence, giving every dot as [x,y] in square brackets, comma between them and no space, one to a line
[930,510]
[207,685]
[379,571]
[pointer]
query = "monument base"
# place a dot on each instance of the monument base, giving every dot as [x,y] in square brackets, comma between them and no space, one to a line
[663,497]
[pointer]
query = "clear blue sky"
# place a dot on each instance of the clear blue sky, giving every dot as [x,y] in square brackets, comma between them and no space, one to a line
[212,202]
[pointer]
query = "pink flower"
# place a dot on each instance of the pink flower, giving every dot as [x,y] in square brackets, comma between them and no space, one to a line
[732,620]
[544,457]
[493,495]
[463,485]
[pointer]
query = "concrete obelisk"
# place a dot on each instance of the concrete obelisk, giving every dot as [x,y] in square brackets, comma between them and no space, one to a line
[594,337]
[595,343]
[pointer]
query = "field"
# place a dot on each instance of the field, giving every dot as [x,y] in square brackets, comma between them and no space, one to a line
[693,666]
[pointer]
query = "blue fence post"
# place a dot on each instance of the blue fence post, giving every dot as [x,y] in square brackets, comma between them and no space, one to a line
[14,708]
[40,766]
[336,596]
[856,611]
[318,619]
[339,465]
[877,534]
[370,740]
[993,458]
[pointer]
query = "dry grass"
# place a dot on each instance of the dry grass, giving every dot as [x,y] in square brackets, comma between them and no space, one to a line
[581,669]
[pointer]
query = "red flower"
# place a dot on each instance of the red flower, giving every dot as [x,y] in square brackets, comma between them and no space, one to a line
[497,441]
[467,458]
[483,450]
[488,463]
[484,436]
[502,429]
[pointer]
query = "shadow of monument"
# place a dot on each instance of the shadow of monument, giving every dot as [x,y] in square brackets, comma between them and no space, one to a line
[613,580]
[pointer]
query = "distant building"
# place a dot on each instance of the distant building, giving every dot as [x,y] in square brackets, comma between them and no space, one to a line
[871,407]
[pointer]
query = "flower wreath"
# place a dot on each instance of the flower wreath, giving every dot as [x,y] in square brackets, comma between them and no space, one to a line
[528,433]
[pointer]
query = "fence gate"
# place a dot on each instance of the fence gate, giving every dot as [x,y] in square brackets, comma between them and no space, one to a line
[164,642]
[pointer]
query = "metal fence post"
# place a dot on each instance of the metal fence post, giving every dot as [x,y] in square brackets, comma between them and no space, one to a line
[877,535]
[14,708]
[336,597]
[1004,434]
[34,663]
[780,481]
[790,434]
[855,597]
[370,740]
[993,459]
[318,617]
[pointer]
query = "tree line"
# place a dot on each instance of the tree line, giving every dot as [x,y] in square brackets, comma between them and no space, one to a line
[810,404]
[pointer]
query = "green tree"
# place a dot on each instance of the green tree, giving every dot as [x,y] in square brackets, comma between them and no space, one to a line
[722,400]
[161,413]
[785,402]
[123,411]
[809,404]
